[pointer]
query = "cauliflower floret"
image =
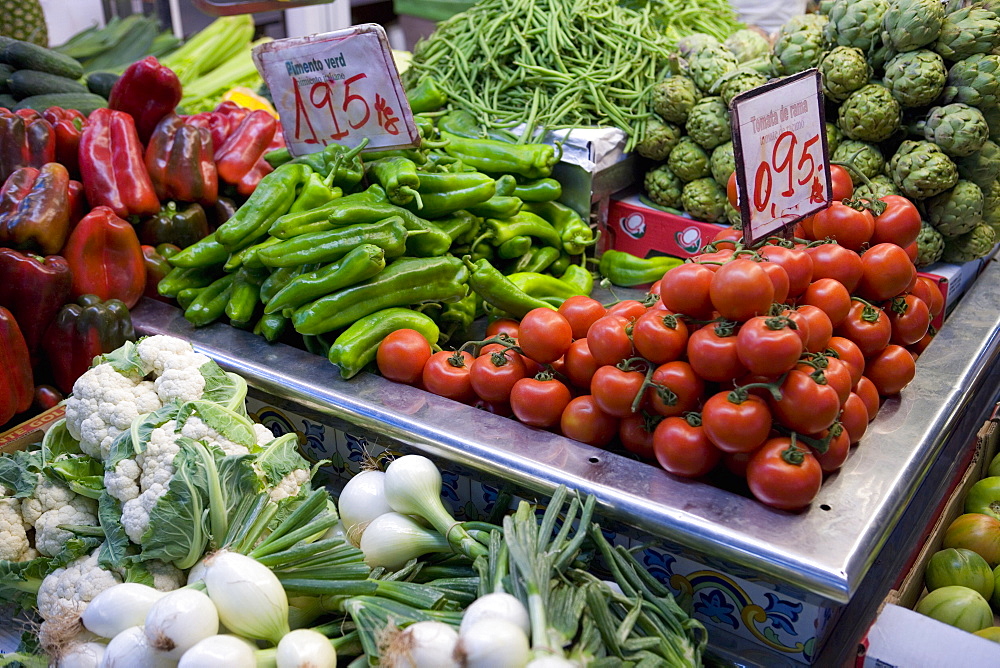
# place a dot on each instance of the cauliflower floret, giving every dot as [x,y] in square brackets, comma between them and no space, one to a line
[156,462]
[135,513]
[161,352]
[29,554]
[48,496]
[166,577]
[103,405]
[49,538]
[123,482]
[263,434]
[182,384]
[68,590]
[196,429]
[13,538]
[289,485]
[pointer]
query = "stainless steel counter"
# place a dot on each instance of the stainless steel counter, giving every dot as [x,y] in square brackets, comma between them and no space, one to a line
[826,550]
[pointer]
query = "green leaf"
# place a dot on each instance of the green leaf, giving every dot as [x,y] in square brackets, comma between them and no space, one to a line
[226,389]
[116,543]
[20,580]
[143,427]
[279,458]
[230,425]
[82,474]
[121,448]
[58,442]
[124,360]
[136,571]
[19,472]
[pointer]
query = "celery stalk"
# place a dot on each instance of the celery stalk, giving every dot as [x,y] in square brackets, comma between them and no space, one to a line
[230,73]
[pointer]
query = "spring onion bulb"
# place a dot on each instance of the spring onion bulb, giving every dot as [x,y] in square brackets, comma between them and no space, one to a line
[118,608]
[82,655]
[129,649]
[393,539]
[422,645]
[250,599]
[220,650]
[305,648]
[498,605]
[362,500]
[197,572]
[179,620]
[493,643]
[552,662]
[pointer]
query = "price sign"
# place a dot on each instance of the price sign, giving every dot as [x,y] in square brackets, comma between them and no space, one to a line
[779,140]
[337,87]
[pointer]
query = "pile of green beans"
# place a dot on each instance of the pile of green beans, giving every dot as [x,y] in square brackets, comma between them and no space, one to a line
[554,64]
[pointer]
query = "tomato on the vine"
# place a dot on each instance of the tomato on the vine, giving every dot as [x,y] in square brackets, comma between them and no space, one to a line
[930,294]
[732,191]
[838,376]
[447,374]
[736,421]
[402,354]
[899,224]
[727,237]
[886,272]
[784,476]
[866,389]
[854,417]
[502,326]
[683,449]
[636,434]
[579,364]
[493,376]
[741,289]
[891,370]
[867,326]
[609,341]
[837,449]
[767,345]
[841,182]
[835,261]
[581,312]
[545,335]
[829,295]
[685,289]
[712,261]
[779,280]
[676,389]
[660,336]
[819,327]
[584,421]
[712,353]
[920,346]
[910,318]
[615,389]
[849,353]
[539,402]
[798,266]
[806,406]
[846,225]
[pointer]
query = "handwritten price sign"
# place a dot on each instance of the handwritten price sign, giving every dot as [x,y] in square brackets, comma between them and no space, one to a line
[779,139]
[337,87]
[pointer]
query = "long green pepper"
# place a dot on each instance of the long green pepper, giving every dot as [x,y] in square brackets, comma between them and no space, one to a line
[496,290]
[210,304]
[361,263]
[272,198]
[389,234]
[358,344]
[318,219]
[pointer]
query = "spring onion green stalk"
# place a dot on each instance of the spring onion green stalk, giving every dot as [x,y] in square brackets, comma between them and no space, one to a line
[392,539]
[372,615]
[179,620]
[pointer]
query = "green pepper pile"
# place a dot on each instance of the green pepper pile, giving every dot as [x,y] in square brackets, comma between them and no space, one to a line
[345,249]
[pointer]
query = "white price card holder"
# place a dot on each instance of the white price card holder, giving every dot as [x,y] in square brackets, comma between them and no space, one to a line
[779,141]
[337,87]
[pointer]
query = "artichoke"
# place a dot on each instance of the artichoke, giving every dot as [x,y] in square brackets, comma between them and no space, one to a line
[982,167]
[959,129]
[711,64]
[921,170]
[688,160]
[930,245]
[705,200]
[740,81]
[911,24]
[833,137]
[708,123]
[915,78]
[880,56]
[870,113]
[658,139]
[975,81]
[866,158]
[691,44]
[673,98]
[797,50]
[844,71]
[955,211]
[991,206]
[856,23]
[663,187]
[992,117]
[968,31]
[805,21]
[723,162]
[881,185]
[747,45]
[970,246]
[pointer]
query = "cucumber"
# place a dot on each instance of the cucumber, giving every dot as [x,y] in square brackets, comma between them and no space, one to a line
[84,102]
[5,72]
[101,83]
[27,56]
[7,101]
[25,83]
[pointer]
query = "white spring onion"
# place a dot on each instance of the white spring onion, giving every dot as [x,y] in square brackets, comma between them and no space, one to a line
[250,599]
[305,648]
[362,500]
[197,572]
[130,649]
[82,655]
[493,643]
[422,645]
[338,530]
[498,605]
[180,619]
[393,539]
[220,650]
[552,662]
[118,608]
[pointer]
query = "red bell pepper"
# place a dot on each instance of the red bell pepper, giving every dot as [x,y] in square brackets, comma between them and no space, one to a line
[240,160]
[179,159]
[157,267]
[82,331]
[147,91]
[35,208]
[26,140]
[67,124]
[33,289]
[17,385]
[78,207]
[112,165]
[104,255]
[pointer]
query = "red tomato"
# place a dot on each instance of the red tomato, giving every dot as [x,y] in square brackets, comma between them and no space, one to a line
[854,417]
[732,191]
[866,389]
[713,356]
[713,261]
[609,341]
[504,325]
[492,376]
[899,224]
[838,376]
[683,449]
[741,289]
[848,352]
[660,336]
[805,406]
[782,477]
[402,354]
[636,434]
[820,328]
[685,289]
[654,289]
[779,280]
[891,370]
[837,450]
[841,182]
[581,312]
[615,390]
[539,403]
[736,426]
[545,335]
[867,326]
[912,251]
[807,228]
[886,271]
[844,224]
[798,266]
[736,463]
[927,289]
[910,318]
[630,309]
[835,261]
[920,346]
[678,389]
[766,345]
[830,296]
[584,421]
[727,237]
[580,364]
[447,374]
[801,324]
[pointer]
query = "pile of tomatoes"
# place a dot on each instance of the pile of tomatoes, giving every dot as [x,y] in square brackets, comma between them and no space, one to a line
[768,362]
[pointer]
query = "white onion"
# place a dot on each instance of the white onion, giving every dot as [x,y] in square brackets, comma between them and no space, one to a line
[551,662]
[498,605]
[393,539]
[197,572]
[130,649]
[250,599]
[493,643]
[220,650]
[305,648]
[118,608]
[82,655]
[179,620]
[423,645]
[362,500]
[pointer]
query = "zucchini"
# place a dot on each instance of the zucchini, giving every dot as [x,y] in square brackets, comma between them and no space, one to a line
[7,101]
[101,83]
[27,56]
[25,83]
[5,72]
[84,102]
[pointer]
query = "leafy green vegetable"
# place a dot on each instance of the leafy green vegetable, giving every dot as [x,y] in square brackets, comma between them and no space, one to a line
[221,387]
[20,580]
[114,549]
[230,425]
[124,360]
[279,458]
[82,474]
[19,472]
[58,442]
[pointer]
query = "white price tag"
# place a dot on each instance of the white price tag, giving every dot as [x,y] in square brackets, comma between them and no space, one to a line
[779,140]
[337,87]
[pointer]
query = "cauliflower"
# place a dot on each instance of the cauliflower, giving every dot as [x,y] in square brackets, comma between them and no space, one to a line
[68,590]
[48,495]
[166,577]
[13,538]
[264,435]
[135,513]
[160,352]
[289,485]
[196,429]
[122,482]
[180,384]
[49,538]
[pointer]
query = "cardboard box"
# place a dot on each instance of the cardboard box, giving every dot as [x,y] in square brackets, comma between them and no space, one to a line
[954,281]
[31,431]
[644,231]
